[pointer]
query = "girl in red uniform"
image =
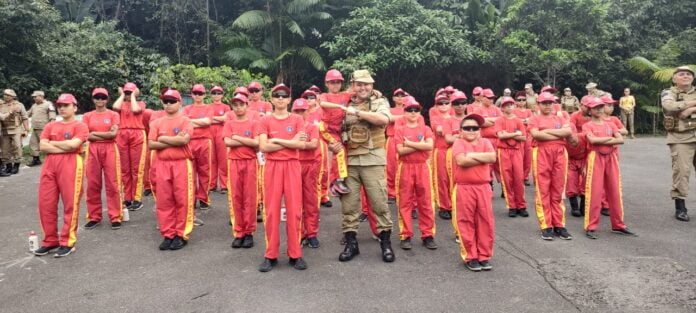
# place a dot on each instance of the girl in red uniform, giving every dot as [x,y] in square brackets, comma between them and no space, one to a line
[511,140]
[219,160]
[281,136]
[102,158]
[575,186]
[315,115]
[131,144]
[331,127]
[472,194]
[61,177]
[201,144]
[441,126]
[396,112]
[550,167]
[169,137]
[603,174]
[525,115]
[241,137]
[490,113]
[256,102]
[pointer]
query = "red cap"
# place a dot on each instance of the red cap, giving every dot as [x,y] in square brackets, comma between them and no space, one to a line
[333,75]
[315,89]
[198,88]
[399,91]
[240,97]
[478,118]
[591,102]
[608,100]
[308,93]
[100,91]
[439,92]
[521,94]
[487,93]
[449,89]
[441,97]
[255,85]
[458,95]
[300,104]
[545,97]
[217,88]
[130,87]
[280,87]
[507,100]
[410,102]
[477,91]
[243,90]
[66,98]
[171,94]
[548,88]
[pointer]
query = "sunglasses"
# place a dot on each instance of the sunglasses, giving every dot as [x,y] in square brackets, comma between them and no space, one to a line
[470,128]
[546,103]
[62,105]
[299,111]
[280,95]
[100,97]
[169,101]
[254,90]
[458,103]
[412,110]
[443,103]
[198,93]
[216,93]
[333,82]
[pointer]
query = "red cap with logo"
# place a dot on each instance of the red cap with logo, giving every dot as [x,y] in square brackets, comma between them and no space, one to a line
[240,97]
[307,93]
[477,91]
[216,88]
[255,85]
[410,102]
[441,97]
[507,100]
[449,89]
[458,95]
[548,88]
[66,98]
[198,88]
[591,102]
[399,91]
[171,94]
[545,97]
[243,90]
[315,89]
[130,87]
[487,93]
[520,95]
[478,118]
[300,104]
[608,100]
[280,87]
[439,92]
[100,91]
[332,75]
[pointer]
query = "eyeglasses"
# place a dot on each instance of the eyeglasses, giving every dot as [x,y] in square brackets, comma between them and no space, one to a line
[311,98]
[458,103]
[412,110]
[470,128]
[169,101]
[216,93]
[443,103]
[101,98]
[280,95]
[254,90]
[198,94]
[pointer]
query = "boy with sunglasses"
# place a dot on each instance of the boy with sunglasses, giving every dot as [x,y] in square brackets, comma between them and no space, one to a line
[61,176]
[102,159]
[132,146]
[256,101]
[472,194]
[201,143]
[281,136]
[524,115]
[170,137]
[241,138]
[441,127]
[219,152]
[490,113]
[414,141]
[511,140]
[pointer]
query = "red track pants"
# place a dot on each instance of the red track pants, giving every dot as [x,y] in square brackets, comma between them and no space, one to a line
[103,158]
[550,166]
[510,162]
[219,158]
[414,191]
[283,178]
[61,176]
[527,156]
[473,221]
[324,179]
[175,197]
[242,195]
[442,162]
[603,179]
[132,149]
[576,178]
[392,159]
[311,197]
[201,148]
[147,184]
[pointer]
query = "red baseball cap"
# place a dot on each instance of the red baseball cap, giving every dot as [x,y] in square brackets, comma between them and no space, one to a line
[300,104]
[520,95]
[308,93]
[240,97]
[130,87]
[66,98]
[548,88]
[591,102]
[478,118]
[255,85]
[545,97]
[477,91]
[243,90]
[399,91]
[458,95]
[441,98]
[608,100]
[410,102]
[507,100]
[216,88]
[171,94]
[315,89]
[332,75]
[439,92]
[280,87]
[449,89]
[198,88]
[100,91]
[487,93]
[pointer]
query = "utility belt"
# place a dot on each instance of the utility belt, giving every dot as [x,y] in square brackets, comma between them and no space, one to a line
[364,135]
[11,121]
[674,124]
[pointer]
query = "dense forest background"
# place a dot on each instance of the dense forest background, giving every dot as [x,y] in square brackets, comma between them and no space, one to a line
[74,45]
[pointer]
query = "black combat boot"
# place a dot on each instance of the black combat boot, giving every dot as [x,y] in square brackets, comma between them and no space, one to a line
[36,161]
[574,208]
[680,207]
[351,249]
[15,168]
[582,205]
[385,244]
[3,170]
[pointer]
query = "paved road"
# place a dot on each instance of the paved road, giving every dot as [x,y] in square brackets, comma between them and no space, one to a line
[123,271]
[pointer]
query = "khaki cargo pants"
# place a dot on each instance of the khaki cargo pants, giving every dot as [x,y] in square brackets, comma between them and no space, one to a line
[34,141]
[683,161]
[372,177]
[11,148]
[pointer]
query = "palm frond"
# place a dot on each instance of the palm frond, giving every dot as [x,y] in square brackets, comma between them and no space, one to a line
[263,64]
[313,57]
[252,20]
[643,65]
[301,6]
[295,28]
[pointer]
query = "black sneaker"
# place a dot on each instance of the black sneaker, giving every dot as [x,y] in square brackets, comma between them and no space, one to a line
[147,192]
[137,205]
[43,250]
[259,216]
[166,243]
[473,266]
[391,200]
[91,224]
[213,189]
[502,194]
[313,242]
[203,206]
[405,244]
[127,205]
[429,243]
[590,234]
[485,265]
[445,215]
[523,212]
[267,265]
[547,233]
[177,243]
[512,213]
[362,217]
[248,242]
[116,225]
[327,204]
[624,231]
[526,182]
[298,264]
[562,233]
[223,191]
[63,251]
[414,214]
[605,211]
[237,242]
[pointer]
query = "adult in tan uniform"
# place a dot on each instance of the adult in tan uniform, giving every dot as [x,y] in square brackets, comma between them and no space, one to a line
[15,124]
[41,112]
[569,102]
[679,106]
[627,103]
[592,90]
[531,97]
[367,116]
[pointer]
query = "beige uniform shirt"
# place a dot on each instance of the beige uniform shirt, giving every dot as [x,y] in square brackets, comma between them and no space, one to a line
[364,156]
[532,101]
[11,120]
[41,114]
[570,104]
[673,102]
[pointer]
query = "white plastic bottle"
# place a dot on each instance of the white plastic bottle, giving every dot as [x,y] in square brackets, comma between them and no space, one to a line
[33,241]
[125,217]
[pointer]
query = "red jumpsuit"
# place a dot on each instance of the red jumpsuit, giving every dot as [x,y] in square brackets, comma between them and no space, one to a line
[511,163]
[174,180]
[472,207]
[603,178]
[61,176]
[333,119]
[219,160]
[153,155]
[315,117]
[201,146]
[283,178]
[440,182]
[413,184]
[259,107]
[132,149]
[550,169]
[392,156]
[527,160]
[147,115]
[242,178]
[312,169]
[102,158]
[490,132]
[577,156]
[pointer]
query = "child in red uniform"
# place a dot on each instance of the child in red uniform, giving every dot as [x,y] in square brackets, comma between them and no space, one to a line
[102,158]
[153,154]
[256,102]
[511,140]
[169,137]
[281,136]
[550,166]
[315,115]
[147,186]
[441,127]
[490,113]
[414,141]
[219,160]
[603,174]
[472,194]
[576,145]
[310,159]
[525,115]
[397,111]
[331,127]
[61,176]
[131,144]
[241,137]
[201,143]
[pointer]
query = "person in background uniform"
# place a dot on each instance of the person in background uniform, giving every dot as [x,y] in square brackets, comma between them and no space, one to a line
[15,124]
[679,106]
[392,157]
[569,102]
[490,113]
[576,145]
[441,126]
[530,97]
[219,160]
[592,90]
[147,184]
[41,113]
[132,146]
[512,136]
[315,115]
[201,143]
[506,93]
[524,115]
[61,177]
[256,101]
[627,103]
